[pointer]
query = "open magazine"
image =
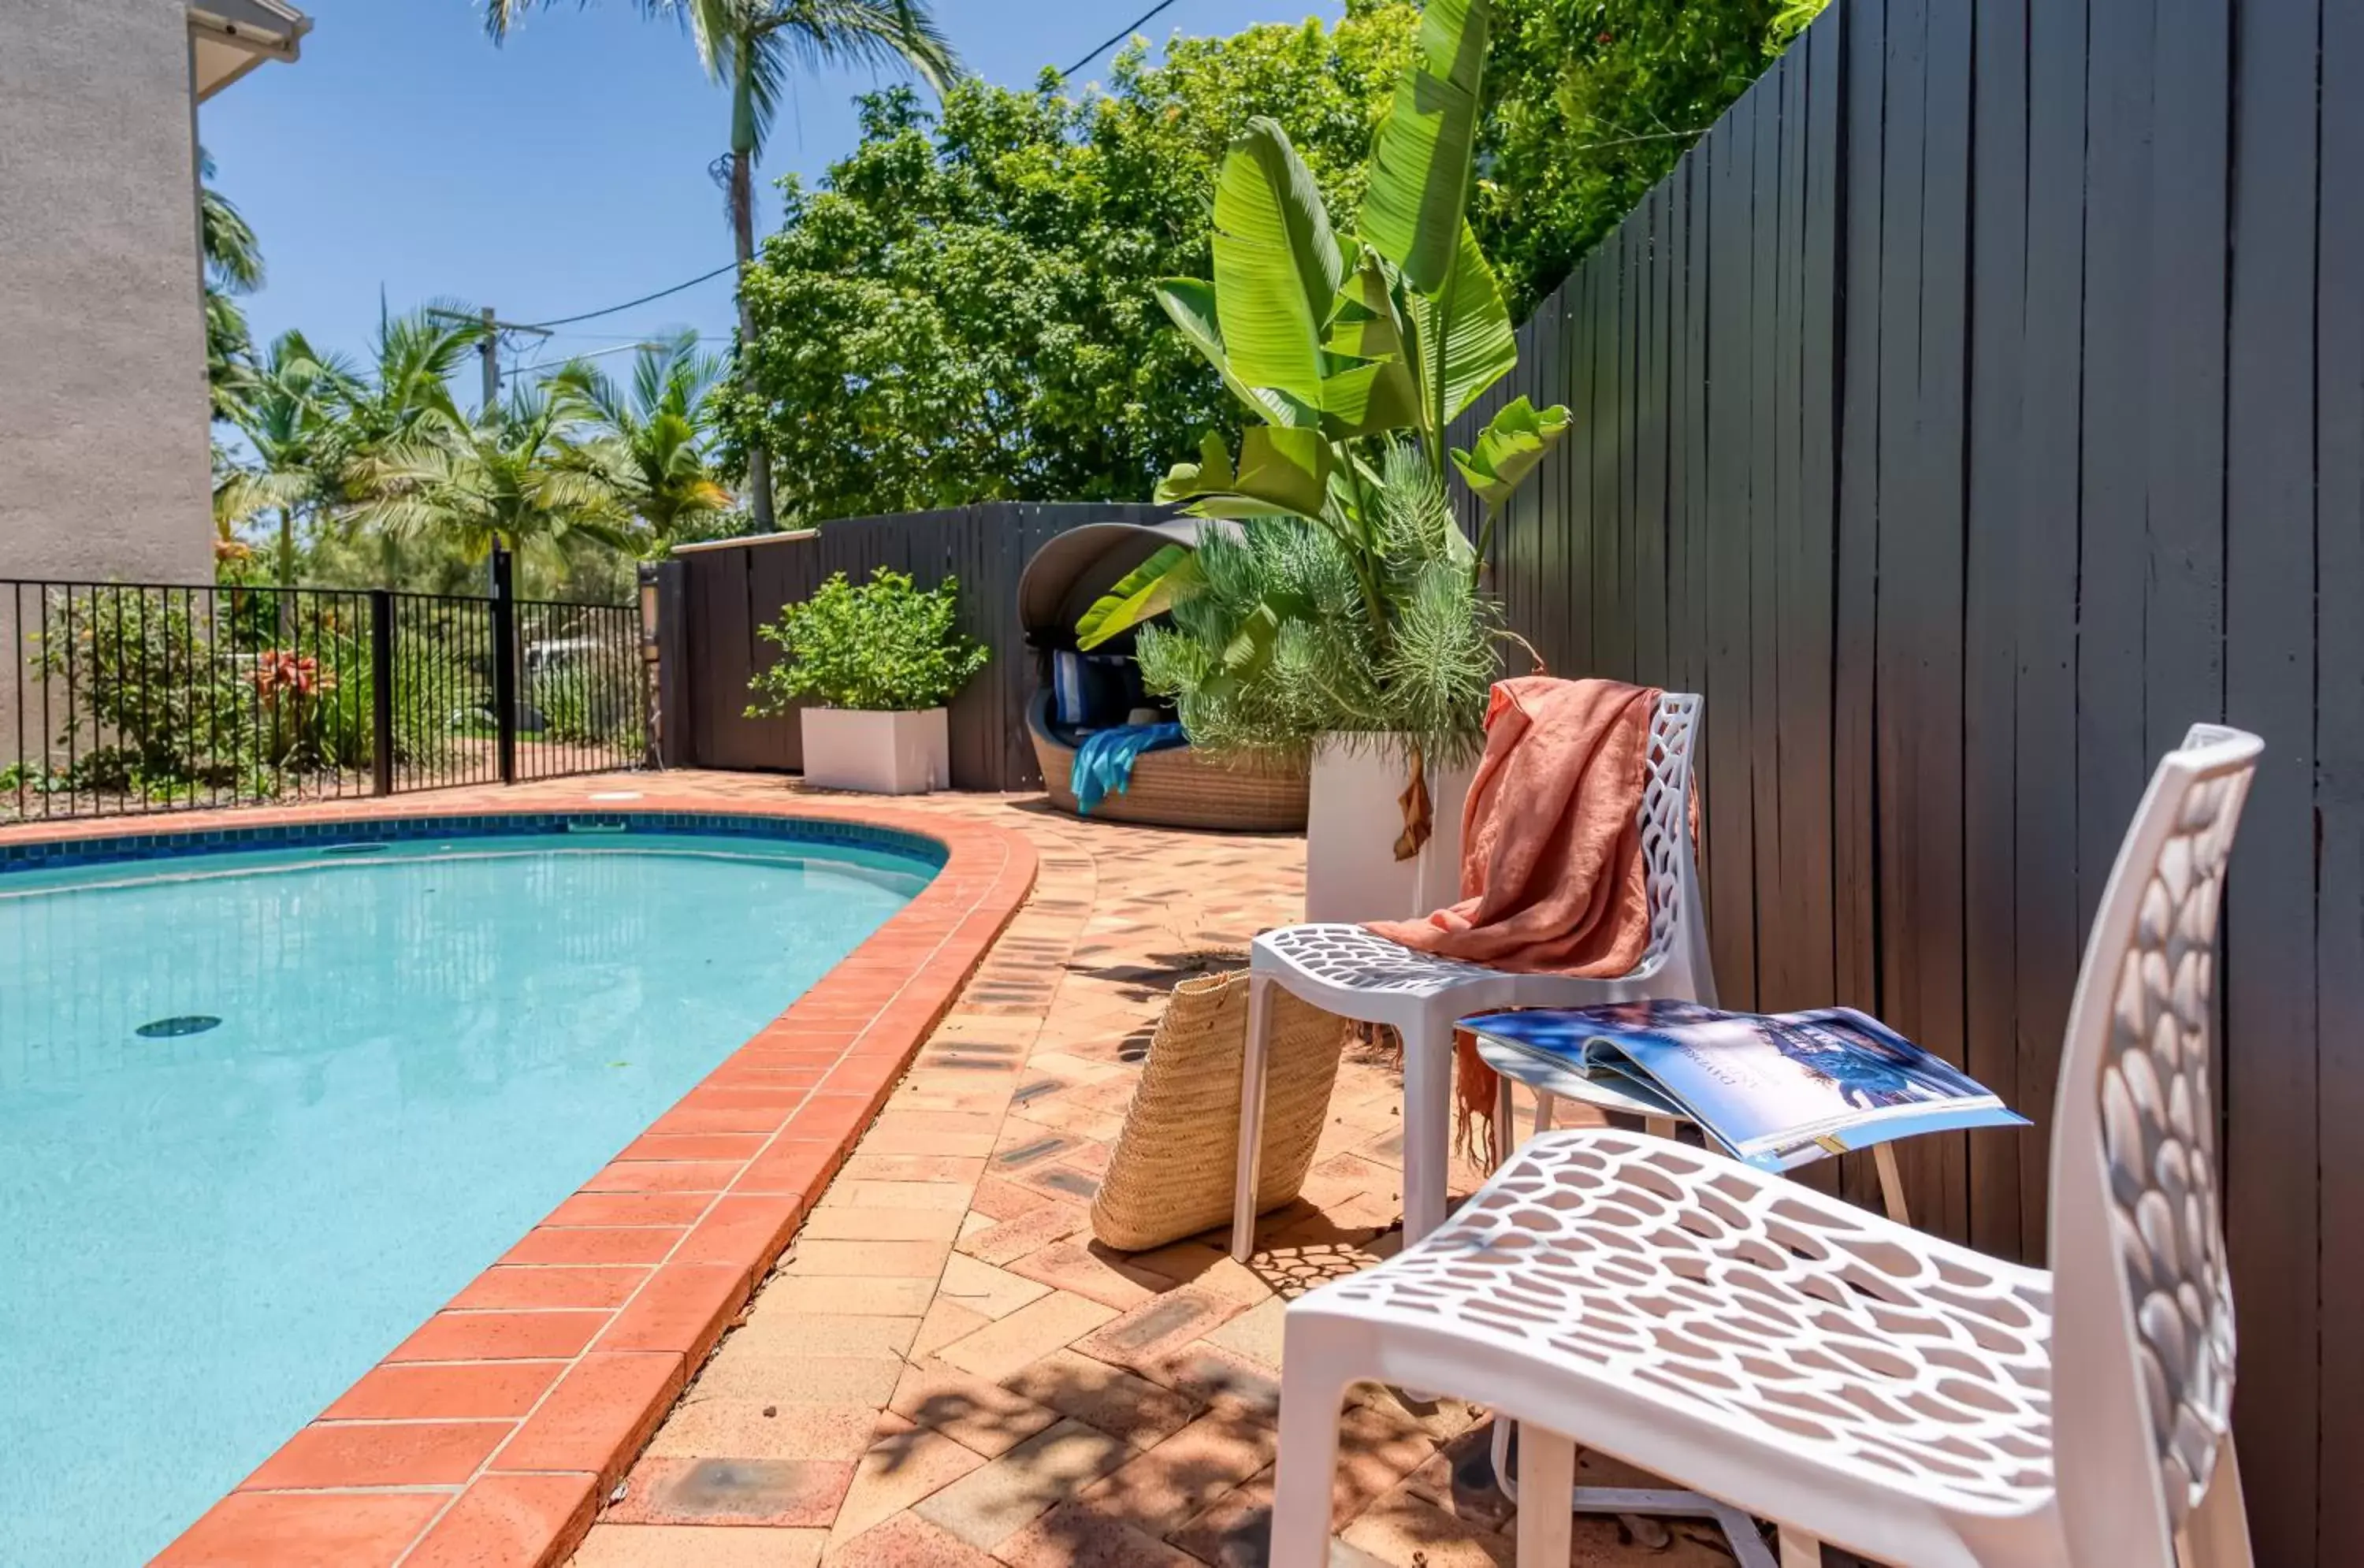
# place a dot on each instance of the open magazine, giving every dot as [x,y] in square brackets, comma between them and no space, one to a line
[1778,1090]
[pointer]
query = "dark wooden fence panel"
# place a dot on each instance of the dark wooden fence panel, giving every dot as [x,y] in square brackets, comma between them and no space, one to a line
[2340,772]
[1994,522]
[2269,687]
[733,589]
[1978,405]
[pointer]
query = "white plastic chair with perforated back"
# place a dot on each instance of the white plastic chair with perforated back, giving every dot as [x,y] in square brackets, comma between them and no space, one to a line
[1801,1359]
[1355,974]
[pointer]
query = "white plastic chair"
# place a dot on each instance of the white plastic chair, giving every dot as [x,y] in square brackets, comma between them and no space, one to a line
[1349,971]
[1809,1361]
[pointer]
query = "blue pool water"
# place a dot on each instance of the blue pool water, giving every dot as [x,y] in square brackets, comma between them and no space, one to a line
[423,1047]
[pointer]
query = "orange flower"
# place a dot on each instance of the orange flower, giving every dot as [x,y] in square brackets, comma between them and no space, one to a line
[283,670]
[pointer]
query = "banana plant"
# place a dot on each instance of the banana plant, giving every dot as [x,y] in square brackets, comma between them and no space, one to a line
[1147,592]
[1338,346]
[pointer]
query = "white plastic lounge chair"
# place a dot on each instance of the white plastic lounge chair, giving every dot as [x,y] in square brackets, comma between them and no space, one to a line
[1348,970]
[1809,1361]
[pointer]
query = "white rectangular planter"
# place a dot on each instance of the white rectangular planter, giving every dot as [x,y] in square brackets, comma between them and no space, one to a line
[879,753]
[1352,824]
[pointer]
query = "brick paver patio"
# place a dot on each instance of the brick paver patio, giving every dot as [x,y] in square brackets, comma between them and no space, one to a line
[945,1370]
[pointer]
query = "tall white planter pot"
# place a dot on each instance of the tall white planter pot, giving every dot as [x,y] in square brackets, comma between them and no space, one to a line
[1353,819]
[879,753]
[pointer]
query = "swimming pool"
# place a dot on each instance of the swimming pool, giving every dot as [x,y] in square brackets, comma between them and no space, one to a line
[261,1111]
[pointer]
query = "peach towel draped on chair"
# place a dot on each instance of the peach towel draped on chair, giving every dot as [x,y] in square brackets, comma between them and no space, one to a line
[1551,875]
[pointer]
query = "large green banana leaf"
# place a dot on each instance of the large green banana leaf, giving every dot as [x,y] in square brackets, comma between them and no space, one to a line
[1281,471]
[1377,390]
[1277,266]
[1144,594]
[1190,304]
[1288,467]
[1210,476]
[1513,442]
[1363,400]
[1421,162]
[1465,344]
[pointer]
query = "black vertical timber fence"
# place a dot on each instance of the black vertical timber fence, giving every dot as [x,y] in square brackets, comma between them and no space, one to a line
[127,698]
[1979,403]
[727,590]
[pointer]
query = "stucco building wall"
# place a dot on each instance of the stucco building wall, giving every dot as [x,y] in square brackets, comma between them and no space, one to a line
[103,406]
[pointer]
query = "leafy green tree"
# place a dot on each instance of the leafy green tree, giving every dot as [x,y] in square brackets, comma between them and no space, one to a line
[1794,18]
[962,312]
[752,46]
[1590,103]
[959,311]
[653,438]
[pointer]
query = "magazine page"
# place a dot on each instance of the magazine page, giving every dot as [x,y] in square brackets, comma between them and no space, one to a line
[1569,1034]
[1577,1048]
[1775,1090]
[1784,1089]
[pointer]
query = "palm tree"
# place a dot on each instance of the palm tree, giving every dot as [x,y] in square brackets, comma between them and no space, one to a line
[408,396]
[413,359]
[651,450]
[291,410]
[752,44]
[515,476]
[233,266]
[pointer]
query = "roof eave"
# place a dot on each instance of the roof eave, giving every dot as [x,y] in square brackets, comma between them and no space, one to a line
[256,31]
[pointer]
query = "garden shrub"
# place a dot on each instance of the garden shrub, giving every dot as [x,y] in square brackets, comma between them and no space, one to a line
[154,703]
[885,645]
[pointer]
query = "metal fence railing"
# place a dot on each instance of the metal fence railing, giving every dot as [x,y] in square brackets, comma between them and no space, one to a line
[581,704]
[125,698]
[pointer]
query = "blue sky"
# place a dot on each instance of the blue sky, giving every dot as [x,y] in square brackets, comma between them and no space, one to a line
[563,171]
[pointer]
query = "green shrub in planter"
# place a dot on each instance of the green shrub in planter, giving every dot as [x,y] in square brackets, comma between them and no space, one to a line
[885,646]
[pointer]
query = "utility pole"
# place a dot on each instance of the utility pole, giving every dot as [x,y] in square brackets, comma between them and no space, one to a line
[489,350]
[488,347]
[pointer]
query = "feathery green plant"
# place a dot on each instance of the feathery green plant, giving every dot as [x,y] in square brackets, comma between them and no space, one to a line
[1419,671]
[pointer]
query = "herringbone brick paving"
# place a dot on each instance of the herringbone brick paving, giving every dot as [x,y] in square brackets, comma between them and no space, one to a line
[944,1369]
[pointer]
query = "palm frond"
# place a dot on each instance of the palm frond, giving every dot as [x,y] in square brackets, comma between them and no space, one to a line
[605,401]
[233,255]
[889,35]
[674,377]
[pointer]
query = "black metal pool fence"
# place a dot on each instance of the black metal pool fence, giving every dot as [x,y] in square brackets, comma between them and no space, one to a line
[123,698]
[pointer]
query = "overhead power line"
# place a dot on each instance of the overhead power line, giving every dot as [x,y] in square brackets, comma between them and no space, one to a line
[1098,50]
[1110,42]
[612,309]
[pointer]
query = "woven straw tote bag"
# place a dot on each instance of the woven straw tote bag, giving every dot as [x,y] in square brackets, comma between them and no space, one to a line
[1171,1172]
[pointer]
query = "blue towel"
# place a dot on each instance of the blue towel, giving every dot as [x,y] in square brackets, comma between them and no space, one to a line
[1104,761]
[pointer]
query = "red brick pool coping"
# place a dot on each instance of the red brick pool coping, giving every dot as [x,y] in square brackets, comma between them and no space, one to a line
[487,1438]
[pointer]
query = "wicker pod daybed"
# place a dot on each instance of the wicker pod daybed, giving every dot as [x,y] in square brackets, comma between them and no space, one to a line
[1180,787]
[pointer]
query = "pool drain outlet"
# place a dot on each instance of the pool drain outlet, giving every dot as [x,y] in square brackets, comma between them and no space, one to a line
[173,1028]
